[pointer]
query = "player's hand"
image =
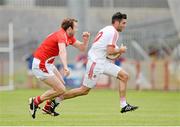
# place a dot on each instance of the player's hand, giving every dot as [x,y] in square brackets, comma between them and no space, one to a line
[66,71]
[85,36]
[122,49]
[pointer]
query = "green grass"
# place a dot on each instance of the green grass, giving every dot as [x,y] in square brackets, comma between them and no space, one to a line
[100,107]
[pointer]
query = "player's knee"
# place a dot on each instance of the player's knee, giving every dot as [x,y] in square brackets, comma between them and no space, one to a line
[123,76]
[85,91]
[126,76]
[61,90]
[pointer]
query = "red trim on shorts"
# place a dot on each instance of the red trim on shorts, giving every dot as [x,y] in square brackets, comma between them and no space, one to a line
[42,67]
[91,70]
[51,61]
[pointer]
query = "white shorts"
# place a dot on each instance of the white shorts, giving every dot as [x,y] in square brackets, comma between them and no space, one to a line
[93,71]
[42,71]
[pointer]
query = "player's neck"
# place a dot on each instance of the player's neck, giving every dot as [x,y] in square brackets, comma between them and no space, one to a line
[114,27]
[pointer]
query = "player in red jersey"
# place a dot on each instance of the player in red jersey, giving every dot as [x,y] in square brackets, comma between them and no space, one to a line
[43,68]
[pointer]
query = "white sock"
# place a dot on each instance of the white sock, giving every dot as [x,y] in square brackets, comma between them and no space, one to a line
[123,102]
[59,99]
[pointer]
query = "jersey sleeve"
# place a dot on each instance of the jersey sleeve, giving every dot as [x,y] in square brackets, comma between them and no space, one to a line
[112,38]
[61,38]
[73,40]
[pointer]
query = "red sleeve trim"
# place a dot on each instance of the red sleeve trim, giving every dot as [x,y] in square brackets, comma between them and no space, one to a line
[73,39]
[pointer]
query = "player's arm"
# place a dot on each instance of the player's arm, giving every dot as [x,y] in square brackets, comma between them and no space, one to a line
[111,50]
[63,57]
[82,46]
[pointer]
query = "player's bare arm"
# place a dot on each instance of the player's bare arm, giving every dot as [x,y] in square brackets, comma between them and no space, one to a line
[82,46]
[63,58]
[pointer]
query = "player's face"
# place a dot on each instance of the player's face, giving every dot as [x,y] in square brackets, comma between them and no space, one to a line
[121,25]
[74,30]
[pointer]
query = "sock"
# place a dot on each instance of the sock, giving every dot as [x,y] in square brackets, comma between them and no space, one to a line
[37,100]
[123,102]
[48,102]
[59,99]
[48,105]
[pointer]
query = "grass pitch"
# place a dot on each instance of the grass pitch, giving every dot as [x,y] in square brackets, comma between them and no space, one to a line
[100,107]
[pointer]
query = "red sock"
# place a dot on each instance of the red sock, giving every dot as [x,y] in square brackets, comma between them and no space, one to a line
[37,100]
[48,105]
[48,102]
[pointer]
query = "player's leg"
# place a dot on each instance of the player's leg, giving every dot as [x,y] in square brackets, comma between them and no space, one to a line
[57,86]
[89,81]
[83,90]
[57,89]
[47,75]
[50,105]
[58,74]
[119,73]
[123,78]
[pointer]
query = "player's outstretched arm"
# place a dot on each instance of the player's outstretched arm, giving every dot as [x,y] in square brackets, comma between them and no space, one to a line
[82,46]
[63,58]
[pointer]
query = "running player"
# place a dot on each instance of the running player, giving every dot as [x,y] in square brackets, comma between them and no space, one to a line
[55,44]
[104,44]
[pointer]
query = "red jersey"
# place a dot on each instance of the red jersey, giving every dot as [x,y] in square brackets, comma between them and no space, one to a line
[47,51]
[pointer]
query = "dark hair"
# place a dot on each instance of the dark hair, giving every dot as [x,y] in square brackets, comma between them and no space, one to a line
[118,16]
[68,22]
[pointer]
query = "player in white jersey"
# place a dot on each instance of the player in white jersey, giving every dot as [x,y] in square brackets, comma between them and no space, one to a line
[104,44]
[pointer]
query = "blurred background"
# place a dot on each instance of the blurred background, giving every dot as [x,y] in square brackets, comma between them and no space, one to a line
[152,37]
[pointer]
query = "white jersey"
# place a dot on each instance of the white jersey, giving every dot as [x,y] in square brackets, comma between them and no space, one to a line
[106,36]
